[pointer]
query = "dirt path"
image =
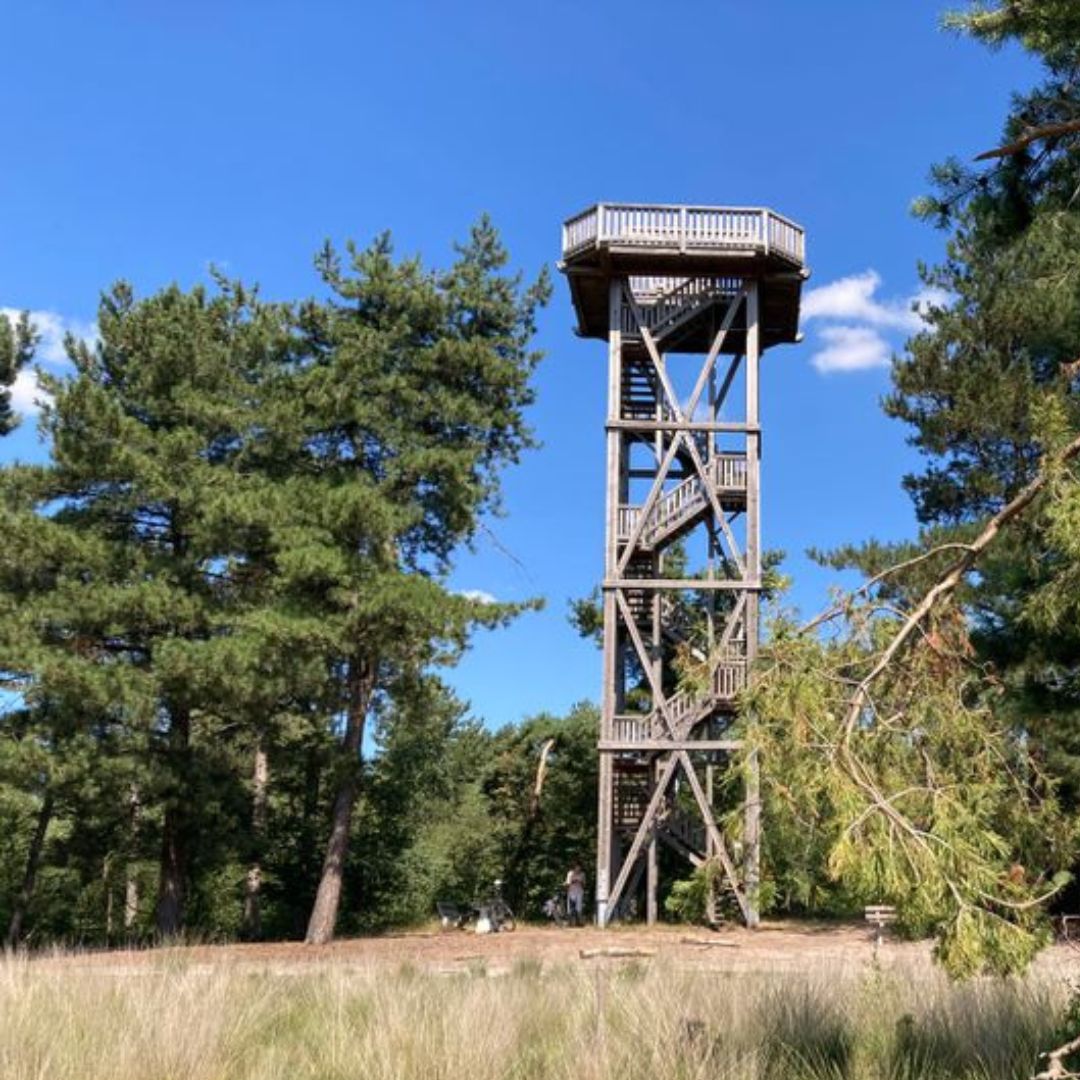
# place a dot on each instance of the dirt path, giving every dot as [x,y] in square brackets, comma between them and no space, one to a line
[785,946]
[799,948]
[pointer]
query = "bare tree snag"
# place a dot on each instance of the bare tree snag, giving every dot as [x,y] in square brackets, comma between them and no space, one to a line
[541,776]
[1056,1068]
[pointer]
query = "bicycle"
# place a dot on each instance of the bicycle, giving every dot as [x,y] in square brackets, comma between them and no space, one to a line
[490,916]
[555,908]
[496,912]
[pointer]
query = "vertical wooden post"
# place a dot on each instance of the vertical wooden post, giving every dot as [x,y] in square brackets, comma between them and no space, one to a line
[712,915]
[652,882]
[752,826]
[604,839]
[652,864]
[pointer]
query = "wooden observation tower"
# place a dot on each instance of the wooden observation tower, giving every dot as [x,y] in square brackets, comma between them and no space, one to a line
[682,573]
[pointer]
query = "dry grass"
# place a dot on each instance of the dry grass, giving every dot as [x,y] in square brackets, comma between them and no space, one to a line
[167,1020]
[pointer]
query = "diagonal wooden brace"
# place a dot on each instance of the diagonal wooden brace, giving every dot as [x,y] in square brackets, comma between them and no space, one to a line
[643,831]
[714,833]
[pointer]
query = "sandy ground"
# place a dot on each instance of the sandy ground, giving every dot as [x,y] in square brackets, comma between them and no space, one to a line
[798,948]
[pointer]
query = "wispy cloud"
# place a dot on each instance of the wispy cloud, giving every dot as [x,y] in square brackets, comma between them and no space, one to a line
[853,298]
[27,394]
[861,330]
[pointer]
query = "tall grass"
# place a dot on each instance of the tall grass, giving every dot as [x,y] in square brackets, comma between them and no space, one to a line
[175,1022]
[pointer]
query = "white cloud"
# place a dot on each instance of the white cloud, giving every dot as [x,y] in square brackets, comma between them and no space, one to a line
[478,595]
[850,348]
[52,328]
[860,330]
[926,298]
[853,298]
[26,393]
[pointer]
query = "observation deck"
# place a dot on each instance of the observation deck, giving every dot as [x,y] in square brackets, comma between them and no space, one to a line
[668,252]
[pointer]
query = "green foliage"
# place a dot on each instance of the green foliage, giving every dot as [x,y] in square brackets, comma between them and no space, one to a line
[1048,28]
[688,900]
[248,516]
[921,799]
[987,389]
[17,343]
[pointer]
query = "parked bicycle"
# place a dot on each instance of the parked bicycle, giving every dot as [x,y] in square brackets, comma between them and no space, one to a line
[556,909]
[492,915]
[500,919]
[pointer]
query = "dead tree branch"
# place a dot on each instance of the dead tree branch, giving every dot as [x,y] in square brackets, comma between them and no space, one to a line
[1035,134]
[541,775]
[1056,1068]
[947,584]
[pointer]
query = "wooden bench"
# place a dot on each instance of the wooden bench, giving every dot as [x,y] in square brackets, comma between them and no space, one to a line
[879,916]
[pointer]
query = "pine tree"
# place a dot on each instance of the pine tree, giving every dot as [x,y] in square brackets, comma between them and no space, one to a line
[410,399]
[238,553]
[17,342]
[999,351]
[115,577]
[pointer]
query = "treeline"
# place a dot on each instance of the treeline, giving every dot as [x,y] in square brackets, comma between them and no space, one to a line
[223,606]
[445,807]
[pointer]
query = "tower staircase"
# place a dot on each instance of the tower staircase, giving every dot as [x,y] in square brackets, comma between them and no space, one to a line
[678,510]
[666,307]
[640,390]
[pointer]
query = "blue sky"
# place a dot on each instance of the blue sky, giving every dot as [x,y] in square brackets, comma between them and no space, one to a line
[147,141]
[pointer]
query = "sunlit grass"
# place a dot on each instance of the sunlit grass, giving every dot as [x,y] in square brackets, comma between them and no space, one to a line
[176,1021]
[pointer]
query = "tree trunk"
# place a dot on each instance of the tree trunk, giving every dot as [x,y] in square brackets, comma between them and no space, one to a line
[33,861]
[260,778]
[131,902]
[131,884]
[107,888]
[172,883]
[324,911]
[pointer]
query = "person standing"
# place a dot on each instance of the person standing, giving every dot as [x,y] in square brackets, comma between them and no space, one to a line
[575,895]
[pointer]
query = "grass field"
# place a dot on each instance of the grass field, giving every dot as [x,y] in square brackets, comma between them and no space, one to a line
[174,1015]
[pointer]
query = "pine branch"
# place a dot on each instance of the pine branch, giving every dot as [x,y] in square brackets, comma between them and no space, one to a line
[1046,131]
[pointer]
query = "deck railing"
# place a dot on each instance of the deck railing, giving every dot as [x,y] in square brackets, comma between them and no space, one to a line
[685,228]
